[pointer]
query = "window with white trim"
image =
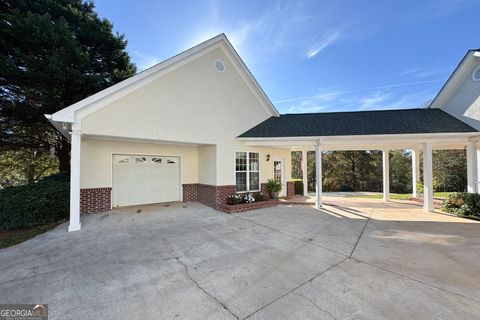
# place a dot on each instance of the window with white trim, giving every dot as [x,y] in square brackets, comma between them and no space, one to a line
[247,171]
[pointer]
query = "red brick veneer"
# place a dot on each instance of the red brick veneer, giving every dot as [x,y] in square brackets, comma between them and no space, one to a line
[190,192]
[247,206]
[290,188]
[209,195]
[93,200]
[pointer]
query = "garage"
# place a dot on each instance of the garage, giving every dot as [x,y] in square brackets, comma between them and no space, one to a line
[142,179]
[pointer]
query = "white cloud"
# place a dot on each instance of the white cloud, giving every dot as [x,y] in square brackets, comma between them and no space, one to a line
[328,40]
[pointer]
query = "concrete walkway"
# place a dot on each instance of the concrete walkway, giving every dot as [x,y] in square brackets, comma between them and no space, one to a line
[354,259]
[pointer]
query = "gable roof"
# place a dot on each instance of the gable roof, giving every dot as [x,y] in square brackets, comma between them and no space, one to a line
[94,102]
[455,80]
[404,121]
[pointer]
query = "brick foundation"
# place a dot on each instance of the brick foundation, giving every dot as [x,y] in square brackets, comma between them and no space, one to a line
[290,188]
[93,200]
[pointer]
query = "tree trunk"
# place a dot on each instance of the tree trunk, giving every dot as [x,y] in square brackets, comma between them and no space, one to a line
[63,154]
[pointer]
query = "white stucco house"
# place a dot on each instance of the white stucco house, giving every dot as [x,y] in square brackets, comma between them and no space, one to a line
[198,127]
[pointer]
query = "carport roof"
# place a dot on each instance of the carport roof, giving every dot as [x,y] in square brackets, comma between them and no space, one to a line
[384,122]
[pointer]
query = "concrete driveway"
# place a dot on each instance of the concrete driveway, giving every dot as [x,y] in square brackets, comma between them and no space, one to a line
[355,259]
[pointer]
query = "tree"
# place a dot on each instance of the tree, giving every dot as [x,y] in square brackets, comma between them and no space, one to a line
[53,53]
[400,171]
[25,167]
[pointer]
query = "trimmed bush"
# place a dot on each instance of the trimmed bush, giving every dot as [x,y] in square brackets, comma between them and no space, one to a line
[298,183]
[35,204]
[463,204]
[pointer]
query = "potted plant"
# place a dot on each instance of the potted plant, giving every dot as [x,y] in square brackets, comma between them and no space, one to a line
[273,187]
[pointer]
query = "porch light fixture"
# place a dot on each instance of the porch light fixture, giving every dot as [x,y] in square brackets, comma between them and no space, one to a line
[268,157]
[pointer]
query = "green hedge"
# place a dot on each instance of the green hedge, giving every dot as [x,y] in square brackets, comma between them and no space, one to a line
[35,204]
[463,204]
[298,186]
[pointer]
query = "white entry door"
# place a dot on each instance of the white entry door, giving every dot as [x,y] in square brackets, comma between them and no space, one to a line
[140,179]
[279,174]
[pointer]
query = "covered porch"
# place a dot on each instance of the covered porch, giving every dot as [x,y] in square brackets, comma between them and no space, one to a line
[416,143]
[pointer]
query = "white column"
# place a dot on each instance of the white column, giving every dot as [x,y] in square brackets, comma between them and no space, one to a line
[76,139]
[304,172]
[415,171]
[386,174]
[472,167]
[427,178]
[318,172]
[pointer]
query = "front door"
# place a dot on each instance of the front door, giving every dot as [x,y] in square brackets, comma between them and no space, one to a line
[279,174]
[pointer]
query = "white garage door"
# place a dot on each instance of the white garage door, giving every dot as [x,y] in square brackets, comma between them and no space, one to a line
[139,179]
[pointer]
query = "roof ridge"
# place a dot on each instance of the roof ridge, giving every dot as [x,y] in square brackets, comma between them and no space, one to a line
[354,111]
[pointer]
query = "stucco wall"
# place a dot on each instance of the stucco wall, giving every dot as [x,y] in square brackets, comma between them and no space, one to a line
[207,164]
[194,103]
[96,160]
[198,164]
[226,161]
[465,102]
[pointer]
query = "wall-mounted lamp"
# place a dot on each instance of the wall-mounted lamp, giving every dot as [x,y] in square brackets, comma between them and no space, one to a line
[268,157]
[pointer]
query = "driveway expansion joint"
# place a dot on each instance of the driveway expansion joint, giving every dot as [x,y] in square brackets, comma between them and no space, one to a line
[361,233]
[297,287]
[316,305]
[203,290]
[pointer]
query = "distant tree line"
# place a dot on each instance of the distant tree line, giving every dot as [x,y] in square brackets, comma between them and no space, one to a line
[362,170]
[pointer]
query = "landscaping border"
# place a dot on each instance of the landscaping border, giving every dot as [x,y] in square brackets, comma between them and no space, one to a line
[228,208]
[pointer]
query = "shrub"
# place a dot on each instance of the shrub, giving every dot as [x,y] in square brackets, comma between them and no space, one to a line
[260,197]
[34,204]
[60,177]
[298,183]
[273,185]
[420,186]
[235,199]
[463,204]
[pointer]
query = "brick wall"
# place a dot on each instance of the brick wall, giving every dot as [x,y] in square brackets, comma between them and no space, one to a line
[208,195]
[290,188]
[190,192]
[93,200]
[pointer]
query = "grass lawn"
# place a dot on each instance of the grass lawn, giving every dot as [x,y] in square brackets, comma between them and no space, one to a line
[399,196]
[15,236]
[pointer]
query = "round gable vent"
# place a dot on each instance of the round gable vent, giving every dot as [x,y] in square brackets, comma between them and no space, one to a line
[476,74]
[219,66]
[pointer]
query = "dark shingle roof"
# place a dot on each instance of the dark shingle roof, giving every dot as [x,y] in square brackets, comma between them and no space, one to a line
[403,121]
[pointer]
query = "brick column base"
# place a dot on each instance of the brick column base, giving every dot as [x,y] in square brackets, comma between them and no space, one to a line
[93,200]
[290,188]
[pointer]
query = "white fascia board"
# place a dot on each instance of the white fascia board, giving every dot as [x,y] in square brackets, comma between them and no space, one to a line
[455,80]
[95,102]
[364,139]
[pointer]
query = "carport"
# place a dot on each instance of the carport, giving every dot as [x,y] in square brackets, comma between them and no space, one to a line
[419,130]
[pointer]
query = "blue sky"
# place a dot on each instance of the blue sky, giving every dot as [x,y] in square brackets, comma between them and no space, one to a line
[314,55]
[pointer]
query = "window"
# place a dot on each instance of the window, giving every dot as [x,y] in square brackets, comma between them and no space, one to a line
[157,160]
[123,159]
[140,159]
[247,171]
